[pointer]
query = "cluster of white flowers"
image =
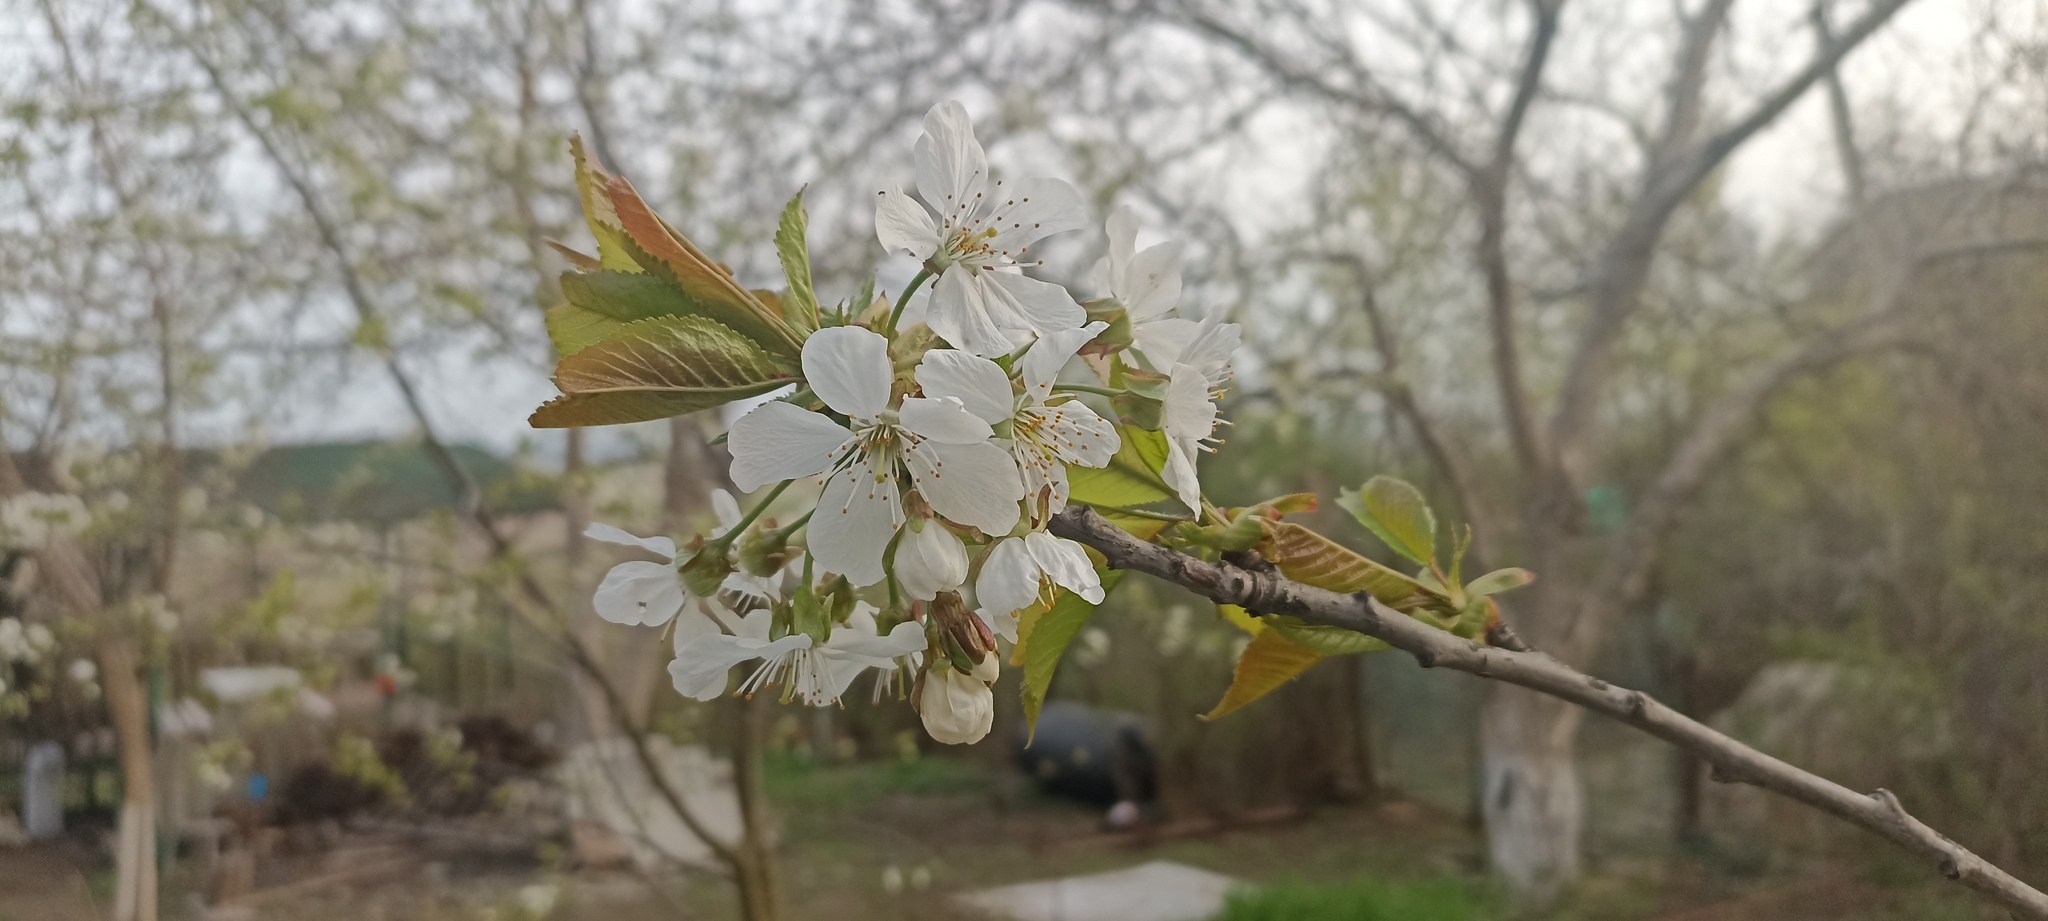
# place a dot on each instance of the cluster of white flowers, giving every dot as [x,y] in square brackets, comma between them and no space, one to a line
[939,463]
[30,520]
[24,644]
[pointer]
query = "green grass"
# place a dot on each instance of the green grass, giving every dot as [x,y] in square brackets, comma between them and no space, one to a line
[1363,900]
[797,783]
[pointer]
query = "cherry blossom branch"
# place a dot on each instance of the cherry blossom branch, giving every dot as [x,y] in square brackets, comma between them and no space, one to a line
[1879,812]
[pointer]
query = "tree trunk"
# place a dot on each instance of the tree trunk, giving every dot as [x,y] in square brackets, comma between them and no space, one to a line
[1532,801]
[756,871]
[135,850]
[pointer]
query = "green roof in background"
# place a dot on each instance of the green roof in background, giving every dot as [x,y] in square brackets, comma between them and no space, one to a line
[383,481]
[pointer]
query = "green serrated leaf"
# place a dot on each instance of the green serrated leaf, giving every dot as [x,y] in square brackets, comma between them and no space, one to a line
[1326,640]
[1268,662]
[1499,580]
[800,306]
[1043,635]
[656,368]
[602,303]
[1131,480]
[1396,513]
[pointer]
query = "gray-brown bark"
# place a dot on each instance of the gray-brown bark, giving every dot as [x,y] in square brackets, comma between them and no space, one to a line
[1879,812]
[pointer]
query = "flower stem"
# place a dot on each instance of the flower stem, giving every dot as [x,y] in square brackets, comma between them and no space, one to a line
[1087,388]
[736,530]
[792,527]
[916,281]
[1140,513]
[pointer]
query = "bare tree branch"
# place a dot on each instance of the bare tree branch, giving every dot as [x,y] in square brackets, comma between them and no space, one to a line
[1839,114]
[1623,267]
[1371,97]
[1879,812]
[1490,193]
[451,466]
[1400,394]
[1713,437]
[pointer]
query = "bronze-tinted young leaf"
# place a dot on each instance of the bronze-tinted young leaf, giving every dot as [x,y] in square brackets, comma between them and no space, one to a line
[1269,661]
[1499,580]
[1396,513]
[653,369]
[1043,635]
[1312,559]
[602,303]
[1132,478]
[801,307]
[591,183]
[663,252]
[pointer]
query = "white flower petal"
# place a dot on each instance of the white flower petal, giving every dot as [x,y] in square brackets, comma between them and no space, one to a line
[901,640]
[658,545]
[973,484]
[978,383]
[1150,285]
[1042,305]
[1032,210]
[1122,228]
[960,313]
[930,560]
[952,169]
[848,368]
[778,441]
[726,508]
[639,593]
[1163,339]
[1066,564]
[903,225]
[856,516]
[1188,413]
[693,622]
[943,420]
[1009,578]
[1041,366]
[1000,624]
[1179,473]
[1079,435]
[700,667]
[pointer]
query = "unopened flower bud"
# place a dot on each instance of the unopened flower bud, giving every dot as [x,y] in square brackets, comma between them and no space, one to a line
[963,636]
[958,707]
[930,559]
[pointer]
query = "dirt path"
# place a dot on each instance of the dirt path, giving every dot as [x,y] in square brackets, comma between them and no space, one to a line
[42,883]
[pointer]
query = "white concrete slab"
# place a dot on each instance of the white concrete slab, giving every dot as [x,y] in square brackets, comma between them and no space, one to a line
[1156,891]
[607,788]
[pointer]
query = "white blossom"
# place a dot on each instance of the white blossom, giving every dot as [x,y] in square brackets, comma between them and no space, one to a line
[30,520]
[1044,435]
[1146,283]
[978,238]
[1189,418]
[647,593]
[1020,571]
[943,448]
[816,674]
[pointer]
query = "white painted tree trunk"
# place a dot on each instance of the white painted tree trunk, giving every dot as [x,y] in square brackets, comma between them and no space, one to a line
[1533,805]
